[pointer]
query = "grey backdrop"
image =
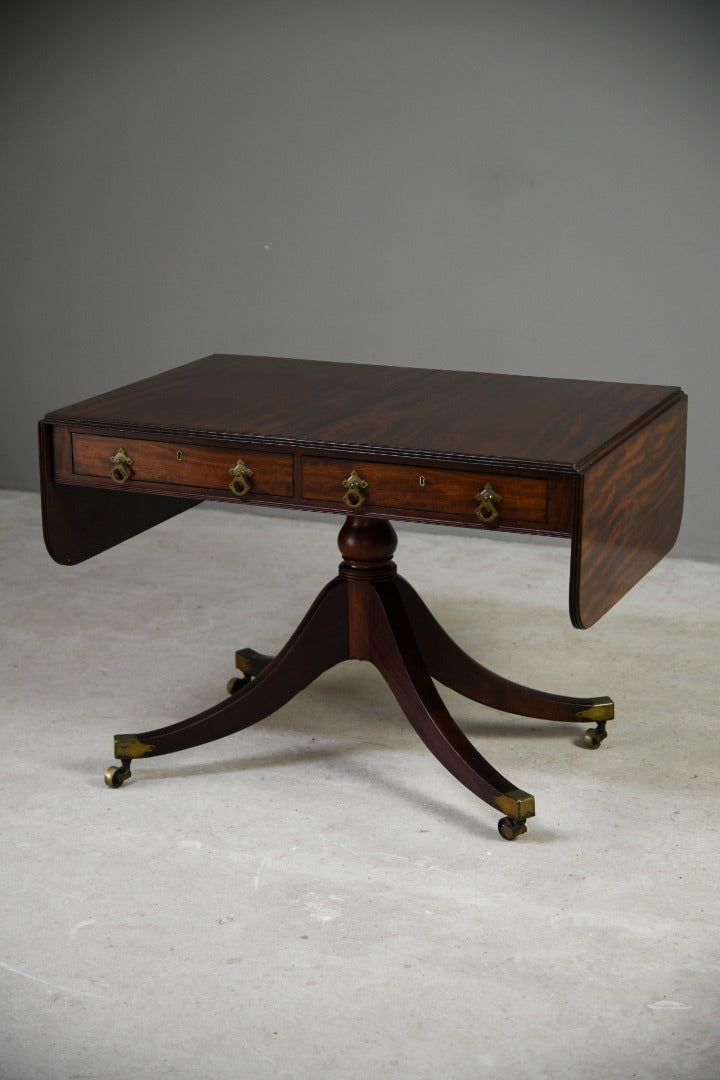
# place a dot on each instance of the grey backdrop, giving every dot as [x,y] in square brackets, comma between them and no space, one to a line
[525,187]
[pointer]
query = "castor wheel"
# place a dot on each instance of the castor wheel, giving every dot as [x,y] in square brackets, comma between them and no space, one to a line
[237,683]
[116,775]
[594,736]
[510,828]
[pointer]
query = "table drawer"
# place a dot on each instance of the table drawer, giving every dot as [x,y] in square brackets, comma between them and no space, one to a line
[445,493]
[133,462]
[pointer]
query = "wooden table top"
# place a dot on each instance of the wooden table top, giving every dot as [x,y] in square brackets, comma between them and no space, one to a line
[606,459]
[457,415]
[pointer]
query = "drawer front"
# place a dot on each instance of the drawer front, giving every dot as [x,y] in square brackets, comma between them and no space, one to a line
[447,493]
[181,465]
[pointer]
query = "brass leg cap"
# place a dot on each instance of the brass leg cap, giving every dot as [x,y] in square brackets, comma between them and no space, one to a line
[601,710]
[516,804]
[129,746]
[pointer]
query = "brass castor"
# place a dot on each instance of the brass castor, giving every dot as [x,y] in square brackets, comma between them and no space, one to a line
[237,683]
[593,737]
[510,828]
[116,775]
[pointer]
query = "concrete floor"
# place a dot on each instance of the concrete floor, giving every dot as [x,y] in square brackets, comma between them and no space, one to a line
[316,896]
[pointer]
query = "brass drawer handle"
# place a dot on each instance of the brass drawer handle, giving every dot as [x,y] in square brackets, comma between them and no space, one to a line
[241,482]
[354,497]
[488,499]
[121,463]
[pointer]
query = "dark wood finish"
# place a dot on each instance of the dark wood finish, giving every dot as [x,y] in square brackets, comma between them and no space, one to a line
[80,522]
[602,463]
[452,667]
[557,449]
[449,492]
[319,643]
[629,516]
[365,613]
[181,464]
[394,652]
[450,415]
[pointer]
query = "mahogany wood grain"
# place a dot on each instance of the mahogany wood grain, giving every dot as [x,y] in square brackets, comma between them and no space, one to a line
[632,502]
[80,522]
[550,446]
[182,464]
[394,652]
[450,414]
[319,643]
[361,614]
[452,667]
[600,462]
[407,487]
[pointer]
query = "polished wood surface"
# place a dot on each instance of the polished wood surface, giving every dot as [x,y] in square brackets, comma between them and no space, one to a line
[428,490]
[80,522]
[370,613]
[445,414]
[630,514]
[599,462]
[202,468]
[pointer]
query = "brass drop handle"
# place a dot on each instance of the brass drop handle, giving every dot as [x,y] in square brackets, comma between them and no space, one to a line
[241,481]
[488,498]
[354,497]
[121,463]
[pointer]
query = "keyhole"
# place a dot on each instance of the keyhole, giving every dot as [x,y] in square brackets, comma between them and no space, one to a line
[422,481]
[179,455]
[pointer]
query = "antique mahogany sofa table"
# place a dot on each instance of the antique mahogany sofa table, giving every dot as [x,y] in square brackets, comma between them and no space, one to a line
[599,462]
